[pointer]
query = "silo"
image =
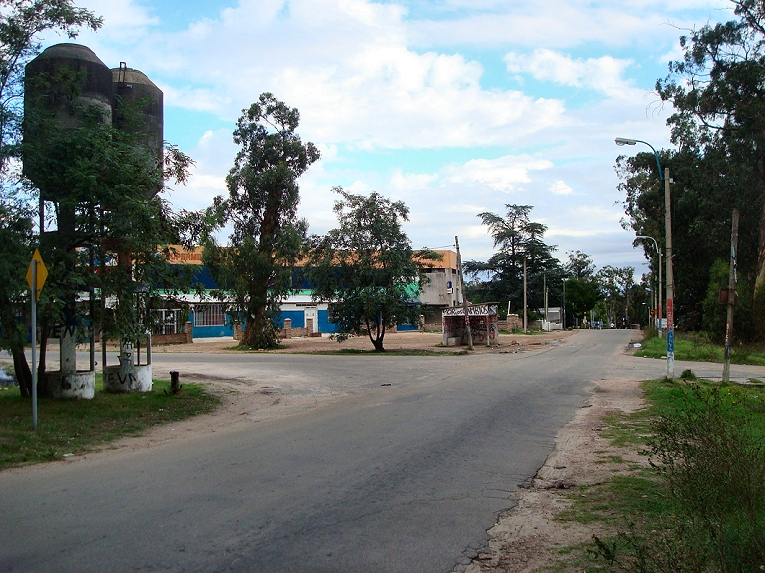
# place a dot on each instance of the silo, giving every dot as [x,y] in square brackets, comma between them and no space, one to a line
[59,84]
[138,108]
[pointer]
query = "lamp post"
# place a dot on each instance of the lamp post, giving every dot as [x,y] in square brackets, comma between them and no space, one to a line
[660,305]
[668,232]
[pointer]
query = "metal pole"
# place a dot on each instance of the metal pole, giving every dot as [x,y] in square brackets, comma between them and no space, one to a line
[34,344]
[670,280]
[464,298]
[731,295]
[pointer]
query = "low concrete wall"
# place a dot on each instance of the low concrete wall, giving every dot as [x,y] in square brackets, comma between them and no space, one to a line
[128,378]
[73,385]
[185,337]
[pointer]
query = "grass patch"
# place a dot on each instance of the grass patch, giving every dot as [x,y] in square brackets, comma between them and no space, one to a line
[79,426]
[699,349]
[700,506]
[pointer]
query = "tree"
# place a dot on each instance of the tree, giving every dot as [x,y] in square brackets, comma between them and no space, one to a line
[718,91]
[517,238]
[21,21]
[366,269]
[616,284]
[709,182]
[582,289]
[579,266]
[112,212]
[267,237]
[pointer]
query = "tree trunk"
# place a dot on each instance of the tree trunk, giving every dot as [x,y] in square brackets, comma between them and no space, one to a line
[23,373]
[758,303]
[377,340]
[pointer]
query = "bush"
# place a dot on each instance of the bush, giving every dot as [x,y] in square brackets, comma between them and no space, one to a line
[710,454]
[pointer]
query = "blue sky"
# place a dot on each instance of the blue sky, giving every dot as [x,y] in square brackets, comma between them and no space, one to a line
[454,106]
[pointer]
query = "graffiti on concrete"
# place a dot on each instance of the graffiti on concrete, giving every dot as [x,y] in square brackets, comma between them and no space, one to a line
[473,310]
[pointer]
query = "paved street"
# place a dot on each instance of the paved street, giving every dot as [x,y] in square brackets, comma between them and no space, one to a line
[399,478]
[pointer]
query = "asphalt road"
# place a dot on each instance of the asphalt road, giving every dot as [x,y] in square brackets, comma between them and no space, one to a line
[406,477]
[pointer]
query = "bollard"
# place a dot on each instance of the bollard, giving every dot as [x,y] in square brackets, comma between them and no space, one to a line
[175,382]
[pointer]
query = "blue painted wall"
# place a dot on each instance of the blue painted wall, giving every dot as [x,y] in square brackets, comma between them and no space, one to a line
[297,317]
[324,324]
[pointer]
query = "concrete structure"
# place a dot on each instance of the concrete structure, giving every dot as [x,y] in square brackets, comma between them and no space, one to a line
[443,289]
[124,98]
[484,327]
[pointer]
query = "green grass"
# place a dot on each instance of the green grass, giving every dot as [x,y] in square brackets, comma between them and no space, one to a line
[699,349]
[689,511]
[80,426]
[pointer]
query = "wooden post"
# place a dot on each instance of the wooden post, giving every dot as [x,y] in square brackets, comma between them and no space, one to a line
[731,295]
[175,381]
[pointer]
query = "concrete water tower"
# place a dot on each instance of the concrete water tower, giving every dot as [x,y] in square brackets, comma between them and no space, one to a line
[64,85]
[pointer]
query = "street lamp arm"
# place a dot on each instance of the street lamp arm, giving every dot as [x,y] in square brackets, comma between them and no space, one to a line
[655,244]
[625,141]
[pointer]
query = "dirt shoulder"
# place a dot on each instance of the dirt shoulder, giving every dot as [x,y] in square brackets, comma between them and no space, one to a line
[425,341]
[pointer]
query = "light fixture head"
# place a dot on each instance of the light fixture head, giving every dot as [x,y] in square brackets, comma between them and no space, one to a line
[624,141]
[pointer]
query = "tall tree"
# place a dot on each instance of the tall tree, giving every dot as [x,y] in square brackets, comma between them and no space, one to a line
[708,183]
[21,22]
[582,289]
[262,208]
[616,284]
[516,237]
[366,269]
[718,90]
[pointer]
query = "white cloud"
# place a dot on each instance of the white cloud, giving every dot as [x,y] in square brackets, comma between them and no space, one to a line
[560,188]
[603,74]
[502,174]
[412,181]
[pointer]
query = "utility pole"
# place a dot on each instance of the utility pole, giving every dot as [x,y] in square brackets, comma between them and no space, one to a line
[547,319]
[525,297]
[731,295]
[670,280]
[464,298]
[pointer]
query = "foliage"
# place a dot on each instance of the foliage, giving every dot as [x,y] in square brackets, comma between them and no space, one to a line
[708,185]
[366,269]
[108,213]
[616,285]
[15,254]
[500,279]
[718,94]
[708,448]
[254,271]
[21,22]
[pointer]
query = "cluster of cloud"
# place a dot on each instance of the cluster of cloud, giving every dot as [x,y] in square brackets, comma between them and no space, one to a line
[386,77]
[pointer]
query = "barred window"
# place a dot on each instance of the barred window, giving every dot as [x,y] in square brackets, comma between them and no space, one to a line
[209,315]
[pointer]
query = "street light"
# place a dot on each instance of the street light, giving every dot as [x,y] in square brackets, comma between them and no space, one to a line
[668,234]
[621,141]
[658,252]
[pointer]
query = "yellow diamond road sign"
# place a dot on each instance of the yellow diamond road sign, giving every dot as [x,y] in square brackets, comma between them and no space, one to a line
[42,273]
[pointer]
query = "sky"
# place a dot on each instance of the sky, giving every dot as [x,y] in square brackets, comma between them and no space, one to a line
[455,107]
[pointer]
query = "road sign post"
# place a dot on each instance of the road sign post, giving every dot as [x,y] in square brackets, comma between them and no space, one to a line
[36,275]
